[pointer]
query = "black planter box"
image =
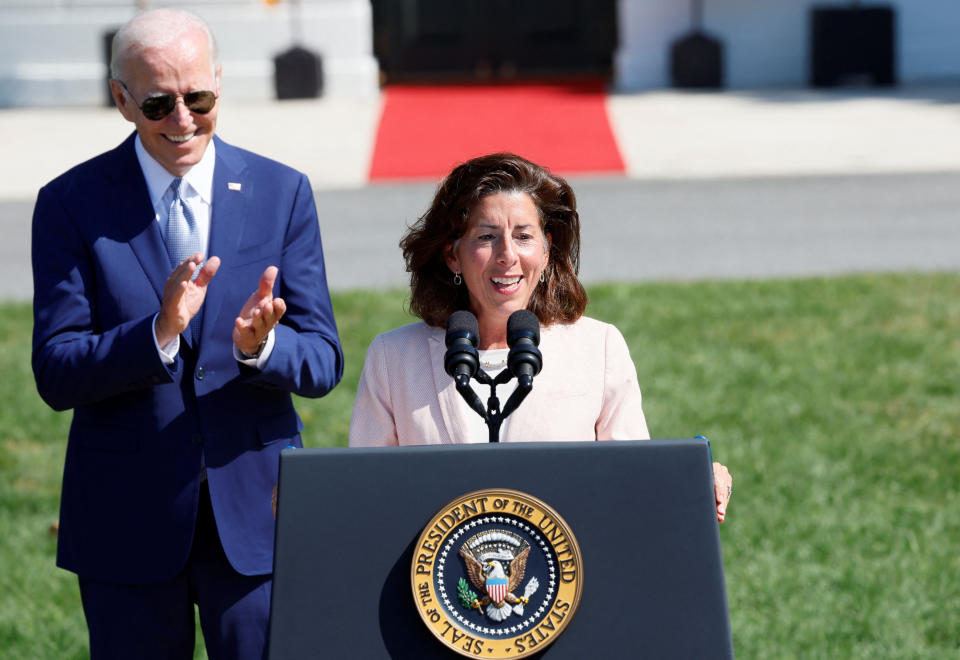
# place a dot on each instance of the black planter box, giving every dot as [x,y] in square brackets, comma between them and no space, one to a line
[852,45]
[696,61]
[298,74]
[107,51]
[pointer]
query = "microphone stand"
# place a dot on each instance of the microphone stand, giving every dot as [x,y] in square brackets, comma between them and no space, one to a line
[492,415]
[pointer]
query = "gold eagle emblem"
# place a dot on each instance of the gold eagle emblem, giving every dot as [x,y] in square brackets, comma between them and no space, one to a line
[496,562]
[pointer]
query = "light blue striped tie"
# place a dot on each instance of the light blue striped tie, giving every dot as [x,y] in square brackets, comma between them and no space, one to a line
[183,239]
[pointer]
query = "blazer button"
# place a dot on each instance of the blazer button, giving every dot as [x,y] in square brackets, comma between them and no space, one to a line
[196,439]
[200,373]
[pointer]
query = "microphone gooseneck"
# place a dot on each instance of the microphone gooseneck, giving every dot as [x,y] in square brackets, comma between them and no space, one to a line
[524,359]
[461,361]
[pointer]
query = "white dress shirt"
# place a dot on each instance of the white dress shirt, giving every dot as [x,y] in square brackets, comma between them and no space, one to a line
[198,194]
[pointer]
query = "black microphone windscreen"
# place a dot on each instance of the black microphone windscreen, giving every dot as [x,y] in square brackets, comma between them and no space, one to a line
[463,321]
[460,360]
[523,323]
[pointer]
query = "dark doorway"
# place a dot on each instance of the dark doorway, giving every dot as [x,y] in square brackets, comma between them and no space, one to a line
[852,44]
[464,40]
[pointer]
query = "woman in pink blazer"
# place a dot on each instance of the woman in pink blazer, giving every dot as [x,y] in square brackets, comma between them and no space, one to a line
[502,234]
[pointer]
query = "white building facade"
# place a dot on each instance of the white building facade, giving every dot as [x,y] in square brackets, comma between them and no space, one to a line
[767,42]
[52,52]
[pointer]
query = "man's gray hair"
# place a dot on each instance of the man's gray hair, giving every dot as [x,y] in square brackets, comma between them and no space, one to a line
[157,28]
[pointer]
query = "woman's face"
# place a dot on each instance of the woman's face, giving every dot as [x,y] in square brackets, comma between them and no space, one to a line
[500,255]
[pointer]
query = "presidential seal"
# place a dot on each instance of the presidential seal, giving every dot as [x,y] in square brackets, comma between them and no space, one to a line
[496,574]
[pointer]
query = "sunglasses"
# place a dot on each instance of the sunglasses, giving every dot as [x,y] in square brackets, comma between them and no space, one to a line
[156,108]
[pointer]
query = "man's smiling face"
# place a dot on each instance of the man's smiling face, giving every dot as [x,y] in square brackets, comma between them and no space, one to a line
[178,140]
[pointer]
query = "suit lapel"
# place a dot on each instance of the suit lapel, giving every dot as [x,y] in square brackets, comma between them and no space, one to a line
[132,206]
[232,192]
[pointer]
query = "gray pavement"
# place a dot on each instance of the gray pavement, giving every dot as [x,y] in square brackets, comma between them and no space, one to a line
[775,183]
[636,230]
[651,230]
[770,227]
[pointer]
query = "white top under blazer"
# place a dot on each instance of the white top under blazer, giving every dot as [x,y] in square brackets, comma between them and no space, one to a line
[587,390]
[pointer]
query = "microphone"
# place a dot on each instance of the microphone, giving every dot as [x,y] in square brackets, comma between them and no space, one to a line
[461,360]
[523,337]
[524,359]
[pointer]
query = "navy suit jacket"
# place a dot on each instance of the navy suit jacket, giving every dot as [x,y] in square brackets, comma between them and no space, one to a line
[133,463]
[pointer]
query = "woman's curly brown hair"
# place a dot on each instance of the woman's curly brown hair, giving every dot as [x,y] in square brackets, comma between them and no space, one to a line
[434,296]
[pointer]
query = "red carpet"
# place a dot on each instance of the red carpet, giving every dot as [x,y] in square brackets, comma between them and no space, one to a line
[424,131]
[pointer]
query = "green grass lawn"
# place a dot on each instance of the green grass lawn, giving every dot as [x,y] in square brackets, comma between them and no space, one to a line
[833,401]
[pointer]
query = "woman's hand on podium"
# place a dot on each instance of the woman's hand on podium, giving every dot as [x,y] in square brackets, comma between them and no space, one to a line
[723,487]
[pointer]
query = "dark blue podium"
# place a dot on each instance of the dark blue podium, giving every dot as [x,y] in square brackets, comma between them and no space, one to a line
[643,513]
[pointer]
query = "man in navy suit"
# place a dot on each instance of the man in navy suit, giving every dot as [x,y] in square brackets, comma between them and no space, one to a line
[179,367]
